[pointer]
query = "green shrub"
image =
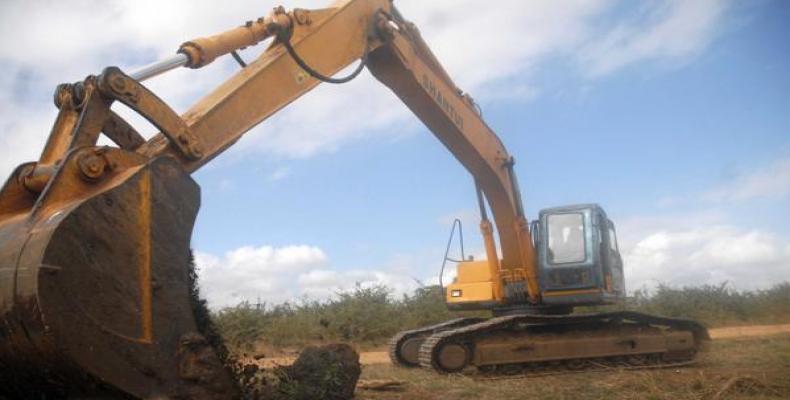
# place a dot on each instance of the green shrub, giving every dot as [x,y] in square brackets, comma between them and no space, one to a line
[716,305]
[242,326]
[369,316]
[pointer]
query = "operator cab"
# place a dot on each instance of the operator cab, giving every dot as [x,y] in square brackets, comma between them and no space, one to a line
[578,258]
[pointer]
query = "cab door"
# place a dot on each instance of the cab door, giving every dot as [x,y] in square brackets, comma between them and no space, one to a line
[611,259]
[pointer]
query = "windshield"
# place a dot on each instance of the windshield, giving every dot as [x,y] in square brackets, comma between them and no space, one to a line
[566,238]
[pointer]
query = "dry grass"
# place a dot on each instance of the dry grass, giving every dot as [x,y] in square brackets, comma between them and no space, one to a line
[751,368]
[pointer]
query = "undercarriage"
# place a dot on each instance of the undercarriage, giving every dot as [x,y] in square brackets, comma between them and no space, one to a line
[546,343]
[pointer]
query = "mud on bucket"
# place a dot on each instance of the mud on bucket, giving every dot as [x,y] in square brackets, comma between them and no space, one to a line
[94,286]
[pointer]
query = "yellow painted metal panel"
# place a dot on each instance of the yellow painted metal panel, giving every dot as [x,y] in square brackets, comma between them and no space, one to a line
[473,271]
[470,292]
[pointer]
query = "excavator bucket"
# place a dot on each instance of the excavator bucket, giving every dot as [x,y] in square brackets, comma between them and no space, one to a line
[95,285]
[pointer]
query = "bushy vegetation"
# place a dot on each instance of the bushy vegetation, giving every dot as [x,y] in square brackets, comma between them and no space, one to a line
[716,305]
[364,315]
[368,316]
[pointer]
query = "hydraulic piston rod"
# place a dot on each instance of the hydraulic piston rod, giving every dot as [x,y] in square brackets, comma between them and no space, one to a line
[160,67]
[199,52]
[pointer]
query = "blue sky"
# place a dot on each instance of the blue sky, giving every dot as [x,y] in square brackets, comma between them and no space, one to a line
[675,116]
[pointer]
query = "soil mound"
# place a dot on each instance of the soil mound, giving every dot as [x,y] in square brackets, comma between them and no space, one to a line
[326,372]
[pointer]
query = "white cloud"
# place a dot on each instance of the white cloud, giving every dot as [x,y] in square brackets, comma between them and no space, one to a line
[705,247]
[707,254]
[694,253]
[772,181]
[484,45]
[247,273]
[323,283]
[674,30]
[277,274]
[22,136]
[499,43]
[320,278]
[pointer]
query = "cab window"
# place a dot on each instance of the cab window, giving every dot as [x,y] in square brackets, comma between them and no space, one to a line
[612,239]
[566,238]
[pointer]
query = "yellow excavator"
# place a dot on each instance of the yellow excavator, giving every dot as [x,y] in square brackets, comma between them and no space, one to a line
[96,294]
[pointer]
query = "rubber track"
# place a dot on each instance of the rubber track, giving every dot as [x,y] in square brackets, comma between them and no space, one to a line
[400,337]
[429,347]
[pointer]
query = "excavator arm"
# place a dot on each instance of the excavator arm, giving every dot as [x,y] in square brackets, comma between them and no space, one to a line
[395,53]
[94,240]
[393,50]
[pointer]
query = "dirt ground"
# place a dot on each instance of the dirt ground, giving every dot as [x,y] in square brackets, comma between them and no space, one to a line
[748,331]
[749,367]
[381,357]
[751,362]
